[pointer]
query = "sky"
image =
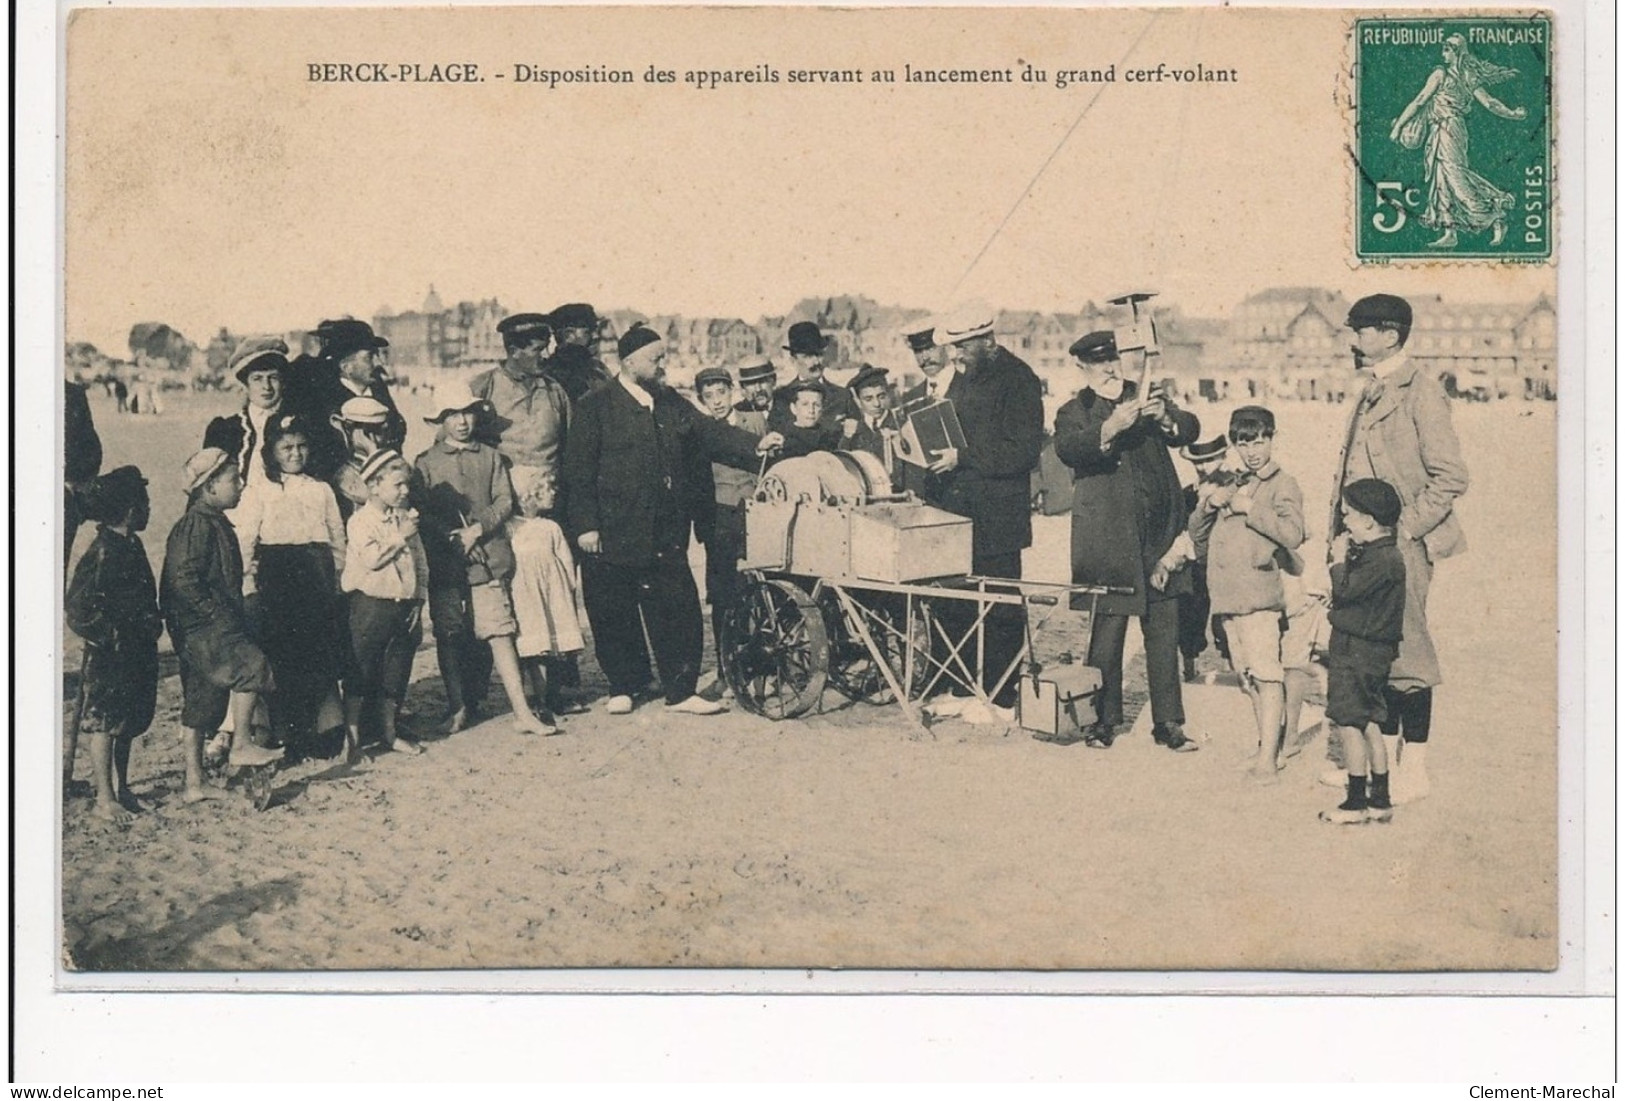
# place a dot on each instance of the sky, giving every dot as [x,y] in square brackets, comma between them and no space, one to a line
[210,182]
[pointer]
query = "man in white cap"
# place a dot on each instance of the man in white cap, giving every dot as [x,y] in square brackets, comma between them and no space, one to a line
[628,465]
[1000,405]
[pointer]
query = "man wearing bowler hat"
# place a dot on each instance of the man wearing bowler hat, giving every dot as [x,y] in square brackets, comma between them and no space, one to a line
[807,346]
[1401,433]
[572,365]
[352,369]
[1127,510]
[1000,405]
[756,379]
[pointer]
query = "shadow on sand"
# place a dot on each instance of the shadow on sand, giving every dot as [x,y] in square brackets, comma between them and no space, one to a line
[165,948]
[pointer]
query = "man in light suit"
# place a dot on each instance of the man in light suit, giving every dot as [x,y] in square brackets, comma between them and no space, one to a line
[1400,431]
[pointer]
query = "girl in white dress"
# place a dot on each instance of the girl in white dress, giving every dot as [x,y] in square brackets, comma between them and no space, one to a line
[544,587]
[292,541]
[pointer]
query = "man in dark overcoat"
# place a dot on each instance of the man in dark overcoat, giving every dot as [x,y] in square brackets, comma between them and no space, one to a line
[1000,405]
[628,506]
[351,368]
[808,348]
[572,364]
[1127,508]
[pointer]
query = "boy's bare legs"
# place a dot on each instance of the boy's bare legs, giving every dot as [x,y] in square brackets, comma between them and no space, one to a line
[1269,700]
[354,705]
[506,659]
[392,739]
[196,790]
[244,753]
[101,775]
[1296,690]
[70,749]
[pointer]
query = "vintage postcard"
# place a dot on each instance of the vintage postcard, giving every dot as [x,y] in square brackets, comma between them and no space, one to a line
[1042,490]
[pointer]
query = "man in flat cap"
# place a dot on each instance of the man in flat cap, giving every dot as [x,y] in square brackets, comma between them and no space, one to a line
[1401,433]
[627,464]
[573,365]
[527,412]
[1127,509]
[807,346]
[720,492]
[877,424]
[1000,404]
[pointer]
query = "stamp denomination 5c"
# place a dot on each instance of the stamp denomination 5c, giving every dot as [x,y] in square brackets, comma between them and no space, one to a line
[1453,138]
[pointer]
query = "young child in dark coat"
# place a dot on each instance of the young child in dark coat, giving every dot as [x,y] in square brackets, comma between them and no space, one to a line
[112,604]
[201,596]
[1367,615]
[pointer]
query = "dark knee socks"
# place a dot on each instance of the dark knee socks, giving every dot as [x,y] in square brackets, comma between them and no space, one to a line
[1409,713]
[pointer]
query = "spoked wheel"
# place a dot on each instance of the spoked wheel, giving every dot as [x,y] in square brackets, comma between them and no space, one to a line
[775,652]
[852,667]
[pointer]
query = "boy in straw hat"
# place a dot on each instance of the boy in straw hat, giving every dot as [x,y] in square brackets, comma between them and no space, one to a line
[386,573]
[466,502]
[201,595]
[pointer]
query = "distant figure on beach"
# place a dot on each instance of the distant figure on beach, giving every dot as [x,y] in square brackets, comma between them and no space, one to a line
[1457,197]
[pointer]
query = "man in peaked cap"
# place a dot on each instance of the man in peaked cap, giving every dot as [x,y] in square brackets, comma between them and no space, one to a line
[877,423]
[1000,405]
[807,346]
[573,365]
[1400,432]
[1127,510]
[528,412]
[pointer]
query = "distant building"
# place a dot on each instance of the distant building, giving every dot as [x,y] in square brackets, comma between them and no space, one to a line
[435,337]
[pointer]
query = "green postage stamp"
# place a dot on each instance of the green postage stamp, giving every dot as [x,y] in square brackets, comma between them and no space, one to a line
[1453,138]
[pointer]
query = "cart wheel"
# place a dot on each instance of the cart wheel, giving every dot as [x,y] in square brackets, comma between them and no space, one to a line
[852,668]
[775,653]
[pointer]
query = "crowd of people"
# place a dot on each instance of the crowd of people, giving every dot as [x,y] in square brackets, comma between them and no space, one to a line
[294,587]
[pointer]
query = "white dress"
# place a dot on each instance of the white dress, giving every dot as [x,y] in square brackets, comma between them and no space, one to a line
[544,589]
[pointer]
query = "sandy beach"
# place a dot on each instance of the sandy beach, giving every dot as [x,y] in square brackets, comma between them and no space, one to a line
[852,839]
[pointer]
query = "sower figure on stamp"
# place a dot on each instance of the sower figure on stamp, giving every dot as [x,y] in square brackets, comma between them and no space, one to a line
[1000,404]
[1401,433]
[1127,509]
[627,465]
